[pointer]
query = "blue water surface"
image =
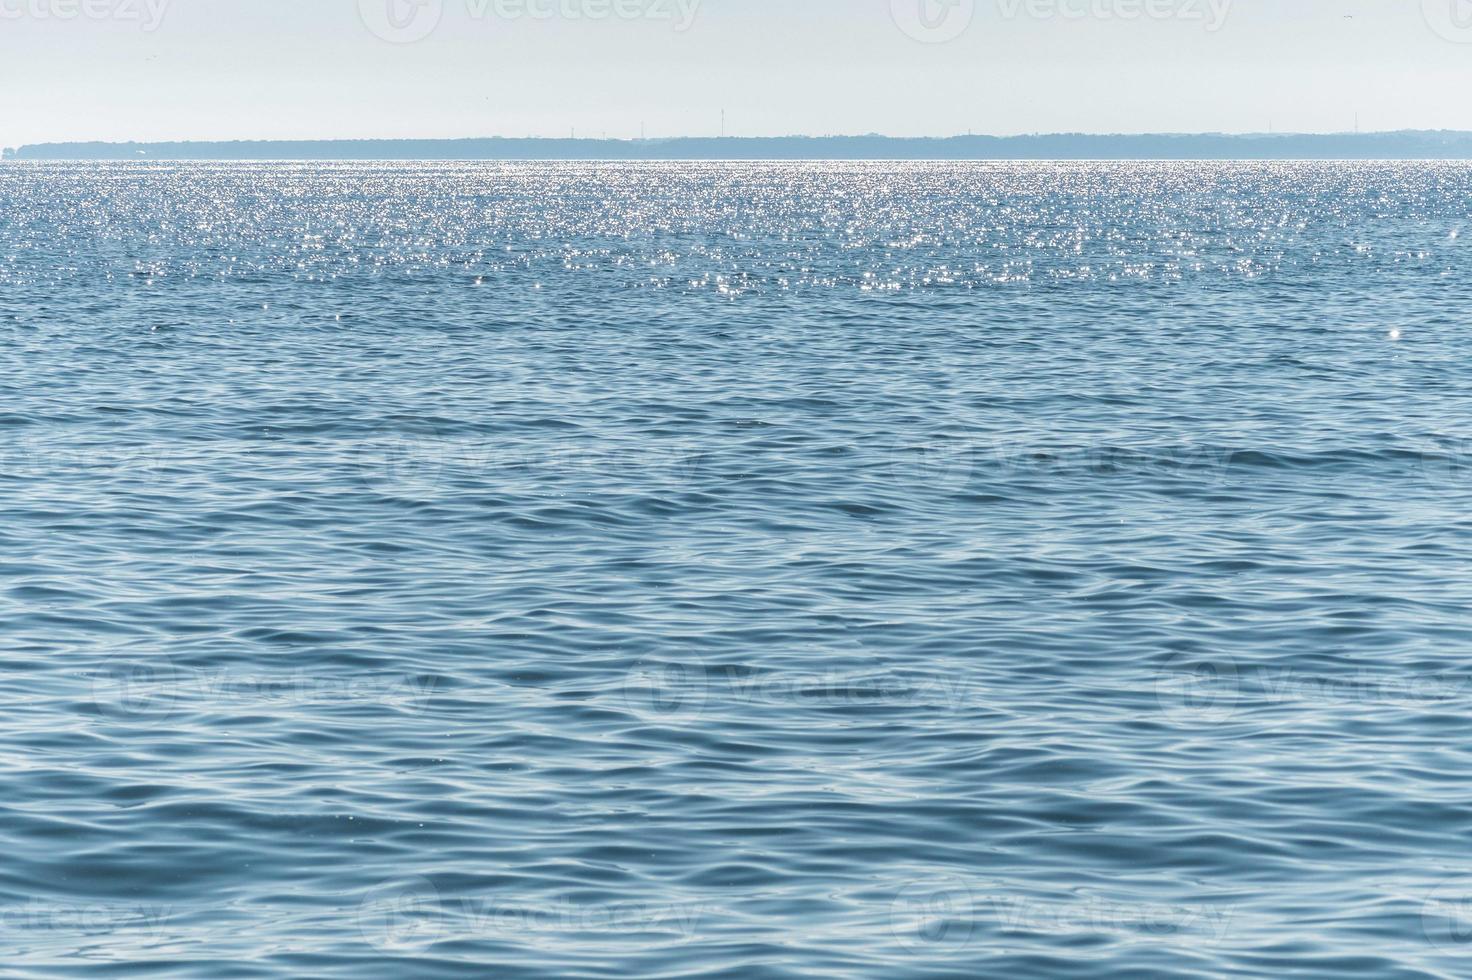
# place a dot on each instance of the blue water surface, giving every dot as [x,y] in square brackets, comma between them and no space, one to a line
[736,570]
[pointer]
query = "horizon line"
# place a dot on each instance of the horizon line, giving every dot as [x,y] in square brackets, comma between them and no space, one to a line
[1386,145]
[1274,134]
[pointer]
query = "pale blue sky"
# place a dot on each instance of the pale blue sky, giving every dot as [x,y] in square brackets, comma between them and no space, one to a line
[213,69]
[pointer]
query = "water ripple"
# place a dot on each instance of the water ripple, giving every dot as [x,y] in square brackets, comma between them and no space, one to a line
[734,570]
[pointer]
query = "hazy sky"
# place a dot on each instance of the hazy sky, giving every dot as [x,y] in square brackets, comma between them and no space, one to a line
[211,69]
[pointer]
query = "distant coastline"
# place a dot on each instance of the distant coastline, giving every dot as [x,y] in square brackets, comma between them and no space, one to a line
[1411,145]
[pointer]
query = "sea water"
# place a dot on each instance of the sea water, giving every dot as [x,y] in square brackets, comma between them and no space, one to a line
[736,570]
